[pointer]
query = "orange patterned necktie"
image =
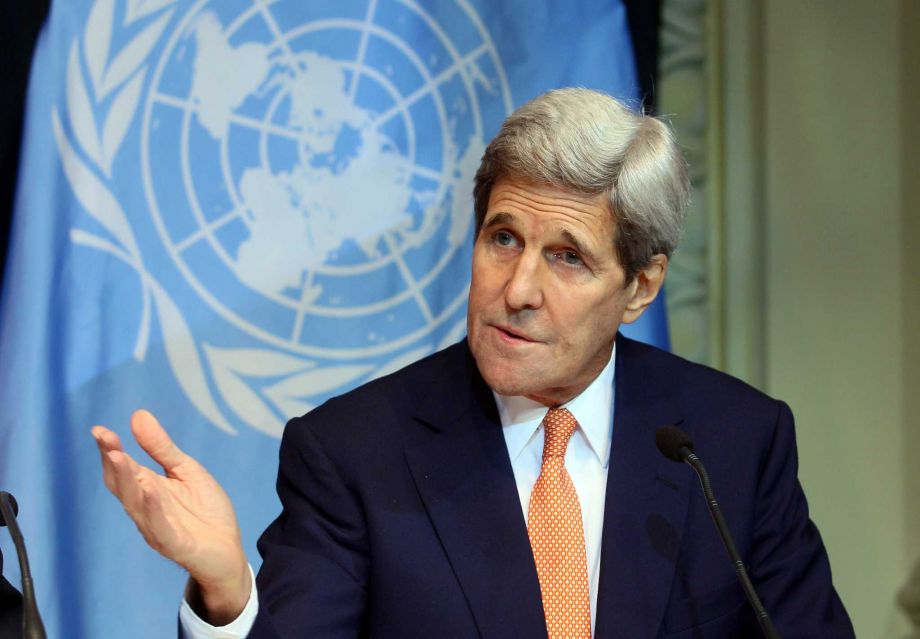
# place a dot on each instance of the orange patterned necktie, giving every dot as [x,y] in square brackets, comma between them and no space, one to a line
[557,535]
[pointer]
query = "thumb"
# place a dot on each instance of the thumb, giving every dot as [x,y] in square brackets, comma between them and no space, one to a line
[155,441]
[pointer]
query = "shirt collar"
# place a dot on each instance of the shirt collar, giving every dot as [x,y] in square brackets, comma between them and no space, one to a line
[593,408]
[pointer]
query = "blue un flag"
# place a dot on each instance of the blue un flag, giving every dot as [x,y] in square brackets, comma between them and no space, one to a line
[229,211]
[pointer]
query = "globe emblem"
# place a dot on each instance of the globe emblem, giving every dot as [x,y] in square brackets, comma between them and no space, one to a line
[309,172]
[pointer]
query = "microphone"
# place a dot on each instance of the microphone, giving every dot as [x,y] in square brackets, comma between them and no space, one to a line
[673,443]
[32,626]
[677,446]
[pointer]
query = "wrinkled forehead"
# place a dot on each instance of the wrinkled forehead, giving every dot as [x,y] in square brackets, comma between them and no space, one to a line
[568,215]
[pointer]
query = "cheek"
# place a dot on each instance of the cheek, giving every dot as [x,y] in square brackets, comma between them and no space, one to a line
[485,283]
[585,321]
[477,288]
[479,299]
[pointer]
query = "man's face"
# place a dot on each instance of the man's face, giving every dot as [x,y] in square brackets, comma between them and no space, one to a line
[547,293]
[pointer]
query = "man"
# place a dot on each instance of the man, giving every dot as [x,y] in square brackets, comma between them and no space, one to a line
[509,486]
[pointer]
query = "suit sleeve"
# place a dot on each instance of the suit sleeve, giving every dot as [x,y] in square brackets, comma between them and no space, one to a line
[315,556]
[789,564]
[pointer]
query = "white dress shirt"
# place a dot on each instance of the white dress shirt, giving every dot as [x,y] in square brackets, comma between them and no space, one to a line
[586,460]
[586,457]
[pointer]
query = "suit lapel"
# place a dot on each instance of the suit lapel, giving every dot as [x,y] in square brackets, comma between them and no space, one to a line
[646,503]
[464,477]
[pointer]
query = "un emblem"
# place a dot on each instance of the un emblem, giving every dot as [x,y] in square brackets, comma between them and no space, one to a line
[322,162]
[308,169]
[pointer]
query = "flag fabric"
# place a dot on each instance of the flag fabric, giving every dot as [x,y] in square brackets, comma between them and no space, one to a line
[228,212]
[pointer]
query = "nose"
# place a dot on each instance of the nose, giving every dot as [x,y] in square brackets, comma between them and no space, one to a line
[524,289]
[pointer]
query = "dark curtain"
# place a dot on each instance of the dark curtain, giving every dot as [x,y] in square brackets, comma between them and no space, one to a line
[644,19]
[20,22]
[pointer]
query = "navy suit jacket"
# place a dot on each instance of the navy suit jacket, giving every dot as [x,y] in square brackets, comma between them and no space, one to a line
[401,517]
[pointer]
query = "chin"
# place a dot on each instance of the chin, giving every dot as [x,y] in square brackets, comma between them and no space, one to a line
[507,387]
[507,379]
[498,373]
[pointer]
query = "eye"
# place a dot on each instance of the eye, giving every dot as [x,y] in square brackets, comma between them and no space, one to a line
[504,238]
[569,258]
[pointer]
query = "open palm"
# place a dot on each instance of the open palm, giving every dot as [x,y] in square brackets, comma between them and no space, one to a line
[183,514]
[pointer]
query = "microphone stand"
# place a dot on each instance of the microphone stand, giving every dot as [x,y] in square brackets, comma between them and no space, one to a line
[32,626]
[766,625]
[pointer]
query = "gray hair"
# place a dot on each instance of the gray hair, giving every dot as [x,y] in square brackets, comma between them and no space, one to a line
[588,142]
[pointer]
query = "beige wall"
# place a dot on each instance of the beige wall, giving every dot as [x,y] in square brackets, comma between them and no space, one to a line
[840,195]
[910,254]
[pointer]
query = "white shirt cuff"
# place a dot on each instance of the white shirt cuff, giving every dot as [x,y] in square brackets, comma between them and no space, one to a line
[193,627]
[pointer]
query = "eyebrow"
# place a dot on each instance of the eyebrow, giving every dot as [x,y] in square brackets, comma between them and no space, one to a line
[499,218]
[577,244]
[507,218]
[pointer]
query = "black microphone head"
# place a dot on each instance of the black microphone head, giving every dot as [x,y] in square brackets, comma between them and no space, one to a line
[670,439]
[13,506]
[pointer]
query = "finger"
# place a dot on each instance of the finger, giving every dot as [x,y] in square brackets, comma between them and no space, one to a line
[124,478]
[155,441]
[136,488]
[108,472]
[106,441]
[156,527]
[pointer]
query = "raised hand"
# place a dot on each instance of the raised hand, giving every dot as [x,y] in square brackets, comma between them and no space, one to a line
[183,514]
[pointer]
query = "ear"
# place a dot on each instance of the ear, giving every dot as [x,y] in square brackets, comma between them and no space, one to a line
[644,288]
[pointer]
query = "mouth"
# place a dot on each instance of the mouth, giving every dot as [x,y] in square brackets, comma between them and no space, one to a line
[514,336]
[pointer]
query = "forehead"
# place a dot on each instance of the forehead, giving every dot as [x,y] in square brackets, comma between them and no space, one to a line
[551,209]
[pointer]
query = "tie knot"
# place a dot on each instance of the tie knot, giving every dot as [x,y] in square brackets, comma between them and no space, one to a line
[558,426]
